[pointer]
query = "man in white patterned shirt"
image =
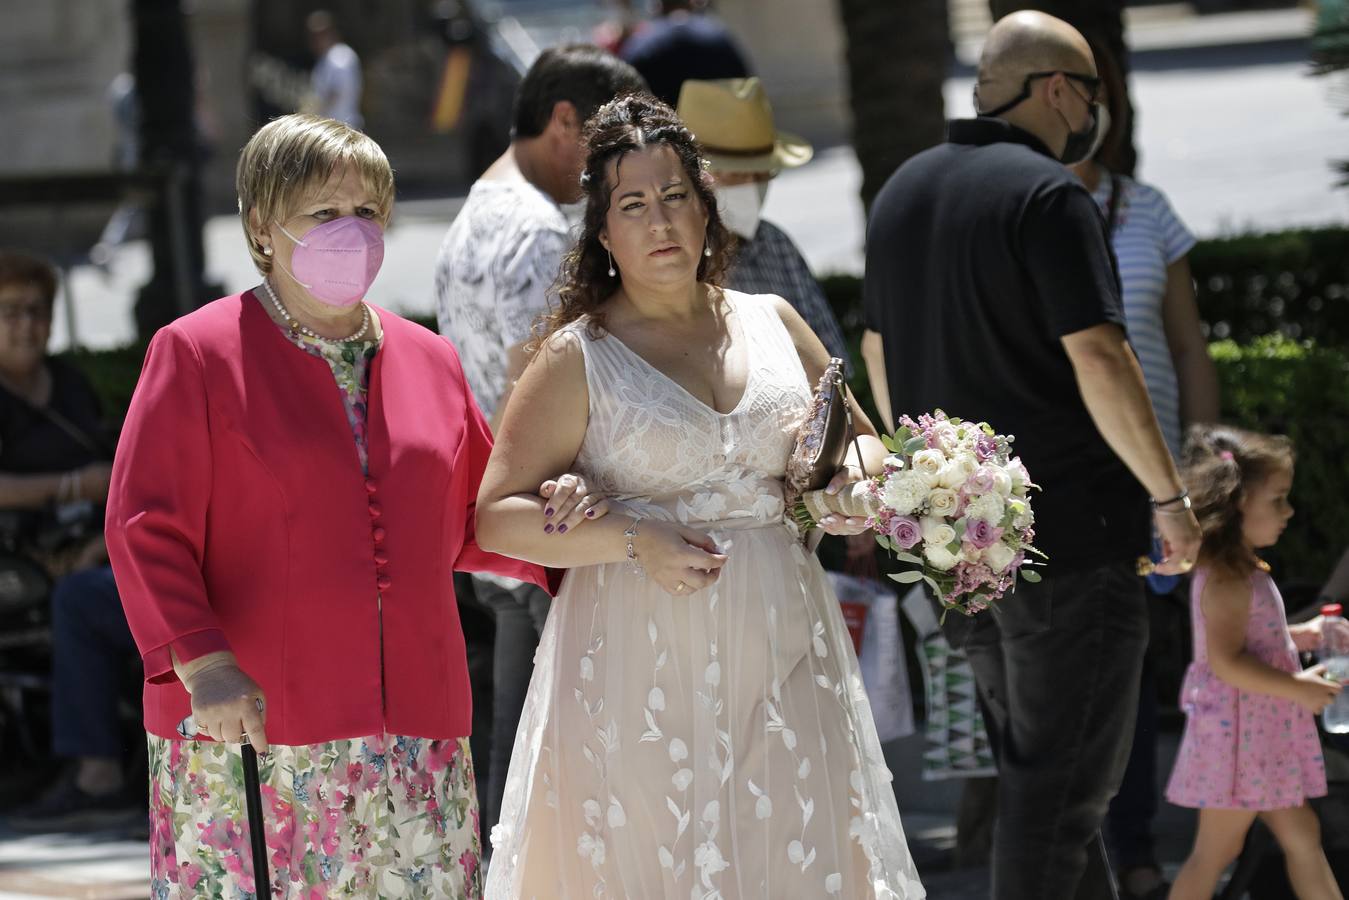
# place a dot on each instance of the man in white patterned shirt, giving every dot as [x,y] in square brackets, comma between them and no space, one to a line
[496,267]
[733,121]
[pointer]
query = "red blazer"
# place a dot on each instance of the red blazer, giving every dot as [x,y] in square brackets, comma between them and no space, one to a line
[238,519]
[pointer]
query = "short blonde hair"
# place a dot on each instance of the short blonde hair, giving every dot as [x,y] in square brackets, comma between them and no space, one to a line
[293,155]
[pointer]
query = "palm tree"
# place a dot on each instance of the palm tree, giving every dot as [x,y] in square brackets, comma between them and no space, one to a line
[898,52]
[1102,22]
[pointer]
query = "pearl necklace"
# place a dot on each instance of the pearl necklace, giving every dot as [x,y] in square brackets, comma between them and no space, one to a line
[295,325]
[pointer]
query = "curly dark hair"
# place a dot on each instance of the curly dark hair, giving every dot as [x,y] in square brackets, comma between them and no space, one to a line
[1221,464]
[618,128]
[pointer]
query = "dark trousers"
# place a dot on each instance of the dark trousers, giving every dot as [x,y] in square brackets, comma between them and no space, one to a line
[519,614]
[91,650]
[1129,823]
[1057,665]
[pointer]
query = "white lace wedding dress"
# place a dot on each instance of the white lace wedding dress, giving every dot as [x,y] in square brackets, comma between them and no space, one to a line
[717,745]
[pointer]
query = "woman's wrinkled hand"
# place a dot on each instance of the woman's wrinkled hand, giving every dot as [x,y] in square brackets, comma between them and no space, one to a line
[229,706]
[681,560]
[836,523]
[568,502]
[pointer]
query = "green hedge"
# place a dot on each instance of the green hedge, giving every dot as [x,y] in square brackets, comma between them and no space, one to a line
[1278,385]
[1295,283]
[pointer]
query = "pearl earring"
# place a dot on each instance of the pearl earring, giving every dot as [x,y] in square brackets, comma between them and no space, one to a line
[707,250]
[612,272]
[266,251]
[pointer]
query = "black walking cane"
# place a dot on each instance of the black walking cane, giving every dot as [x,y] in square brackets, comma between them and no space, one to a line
[257,833]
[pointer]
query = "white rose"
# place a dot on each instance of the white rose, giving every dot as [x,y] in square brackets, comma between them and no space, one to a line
[1022,515]
[928,463]
[904,492]
[957,470]
[943,502]
[1016,470]
[970,554]
[937,532]
[1002,482]
[988,507]
[939,557]
[999,557]
[947,435]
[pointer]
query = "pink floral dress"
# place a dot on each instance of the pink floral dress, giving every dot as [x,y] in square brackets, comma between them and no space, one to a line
[375,816]
[1245,750]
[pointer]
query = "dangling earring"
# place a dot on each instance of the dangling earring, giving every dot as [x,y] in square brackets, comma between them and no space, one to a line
[612,273]
[707,250]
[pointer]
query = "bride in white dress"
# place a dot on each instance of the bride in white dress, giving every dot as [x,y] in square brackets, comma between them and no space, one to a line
[696,724]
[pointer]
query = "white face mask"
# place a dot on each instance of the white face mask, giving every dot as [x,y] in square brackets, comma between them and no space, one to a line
[740,206]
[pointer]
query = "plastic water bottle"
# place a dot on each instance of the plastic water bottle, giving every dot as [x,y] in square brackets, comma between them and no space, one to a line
[1335,655]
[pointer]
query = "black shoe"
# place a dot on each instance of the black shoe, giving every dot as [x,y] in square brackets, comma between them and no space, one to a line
[67,808]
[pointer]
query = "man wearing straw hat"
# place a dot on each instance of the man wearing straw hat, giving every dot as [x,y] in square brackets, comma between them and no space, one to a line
[733,121]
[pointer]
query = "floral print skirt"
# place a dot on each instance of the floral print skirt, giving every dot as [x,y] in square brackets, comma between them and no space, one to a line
[380,816]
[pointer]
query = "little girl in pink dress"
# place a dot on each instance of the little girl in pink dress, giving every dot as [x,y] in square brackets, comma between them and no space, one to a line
[1250,747]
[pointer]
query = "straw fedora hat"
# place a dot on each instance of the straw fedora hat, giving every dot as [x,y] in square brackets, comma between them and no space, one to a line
[733,121]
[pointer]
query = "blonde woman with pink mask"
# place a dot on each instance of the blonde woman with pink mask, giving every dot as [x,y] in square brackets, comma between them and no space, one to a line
[292,494]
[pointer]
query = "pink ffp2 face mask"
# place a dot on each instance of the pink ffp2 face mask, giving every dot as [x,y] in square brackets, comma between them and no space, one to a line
[337,261]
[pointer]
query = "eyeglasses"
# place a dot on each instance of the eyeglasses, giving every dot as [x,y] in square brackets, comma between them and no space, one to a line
[1090,82]
[13,313]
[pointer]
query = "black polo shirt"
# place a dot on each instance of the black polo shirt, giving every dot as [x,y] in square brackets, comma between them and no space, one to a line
[981,254]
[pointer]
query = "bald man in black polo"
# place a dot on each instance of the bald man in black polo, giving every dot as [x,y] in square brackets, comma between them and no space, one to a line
[991,293]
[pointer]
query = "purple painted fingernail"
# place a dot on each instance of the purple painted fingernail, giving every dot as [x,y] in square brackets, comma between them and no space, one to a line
[548,529]
[590,514]
[548,511]
[562,529]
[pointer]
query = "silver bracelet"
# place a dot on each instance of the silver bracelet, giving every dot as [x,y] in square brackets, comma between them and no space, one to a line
[634,565]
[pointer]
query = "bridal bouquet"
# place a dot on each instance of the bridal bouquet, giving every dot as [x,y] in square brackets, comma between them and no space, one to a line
[953,502]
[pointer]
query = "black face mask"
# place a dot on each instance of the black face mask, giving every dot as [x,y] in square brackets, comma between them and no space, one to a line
[1081,144]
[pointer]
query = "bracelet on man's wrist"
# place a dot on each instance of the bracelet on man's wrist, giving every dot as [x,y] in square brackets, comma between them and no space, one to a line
[1181,502]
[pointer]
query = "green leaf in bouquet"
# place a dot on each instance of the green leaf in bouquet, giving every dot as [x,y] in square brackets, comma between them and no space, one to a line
[908,558]
[901,436]
[960,525]
[883,542]
[914,444]
[909,577]
[1031,575]
[931,582]
[889,443]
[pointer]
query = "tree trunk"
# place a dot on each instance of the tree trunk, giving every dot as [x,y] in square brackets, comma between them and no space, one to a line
[898,53]
[163,66]
[1102,22]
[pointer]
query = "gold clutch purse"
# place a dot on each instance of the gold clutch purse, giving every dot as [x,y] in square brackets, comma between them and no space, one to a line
[822,441]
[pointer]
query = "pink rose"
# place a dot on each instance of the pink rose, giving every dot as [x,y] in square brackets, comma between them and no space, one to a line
[906,531]
[981,535]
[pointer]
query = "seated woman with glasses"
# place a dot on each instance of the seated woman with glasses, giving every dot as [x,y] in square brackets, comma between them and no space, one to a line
[54,469]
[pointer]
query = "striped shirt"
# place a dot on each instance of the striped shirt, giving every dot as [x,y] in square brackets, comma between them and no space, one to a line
[771,264]
[1148,237]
